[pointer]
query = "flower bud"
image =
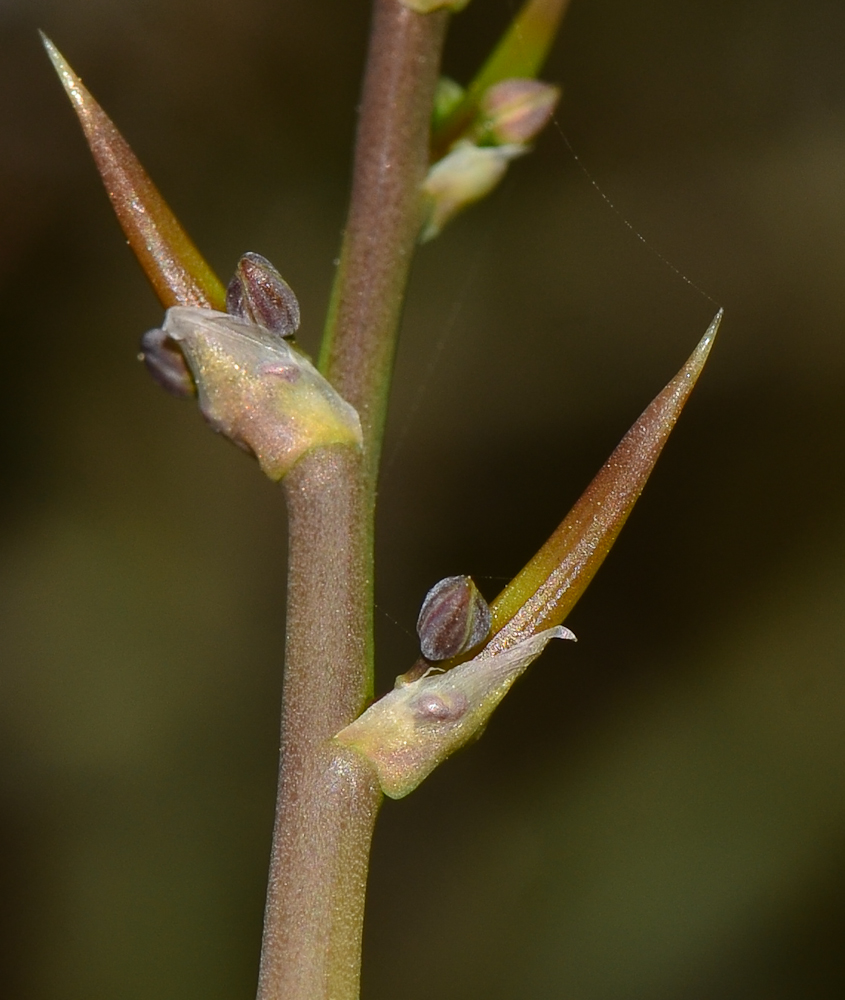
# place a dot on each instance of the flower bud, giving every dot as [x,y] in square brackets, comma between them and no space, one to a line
[465,175]
[260,295]
[166,363]
[514,111]
[454,617]
[257,390]
[447,97]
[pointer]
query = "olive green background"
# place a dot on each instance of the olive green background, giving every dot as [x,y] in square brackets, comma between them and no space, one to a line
[655,813]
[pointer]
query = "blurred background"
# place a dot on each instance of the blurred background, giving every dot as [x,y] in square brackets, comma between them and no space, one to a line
[657,812]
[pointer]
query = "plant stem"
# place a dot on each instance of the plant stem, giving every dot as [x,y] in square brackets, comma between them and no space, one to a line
[391,159]
[327,799]
[328,796]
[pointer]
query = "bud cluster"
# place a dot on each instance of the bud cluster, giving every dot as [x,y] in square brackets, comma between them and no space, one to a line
[508,116]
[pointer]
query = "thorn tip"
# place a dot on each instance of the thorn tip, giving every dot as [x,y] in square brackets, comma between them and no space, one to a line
[69,80]
[702,350]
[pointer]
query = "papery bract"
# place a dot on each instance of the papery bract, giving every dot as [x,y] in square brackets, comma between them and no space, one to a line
[416,726]
[258,390]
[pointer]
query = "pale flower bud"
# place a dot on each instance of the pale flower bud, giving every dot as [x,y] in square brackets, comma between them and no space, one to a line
[465,175]
[514,111]
[453,618]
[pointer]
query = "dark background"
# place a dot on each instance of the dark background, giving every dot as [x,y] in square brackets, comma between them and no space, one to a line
[656,813]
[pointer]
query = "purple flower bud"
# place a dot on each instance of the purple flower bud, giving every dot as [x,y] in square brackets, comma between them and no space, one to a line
[454,617]
[514,111]
[260,295]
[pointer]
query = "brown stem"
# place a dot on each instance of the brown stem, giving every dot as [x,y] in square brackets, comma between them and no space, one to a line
[328,796]
[328,799]
[391,159]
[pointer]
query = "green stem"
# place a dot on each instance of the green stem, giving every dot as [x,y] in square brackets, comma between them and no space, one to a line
[328,796]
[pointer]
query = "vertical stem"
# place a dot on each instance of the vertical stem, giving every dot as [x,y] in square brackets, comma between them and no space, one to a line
[391,159]
[327,799]
[329,796]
